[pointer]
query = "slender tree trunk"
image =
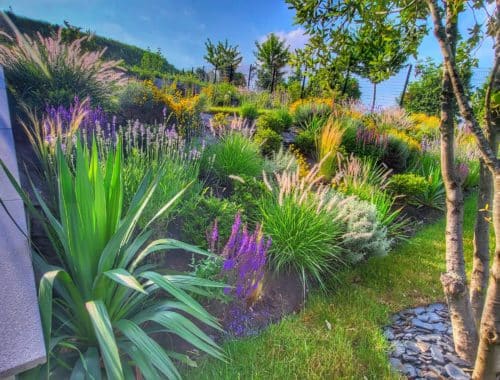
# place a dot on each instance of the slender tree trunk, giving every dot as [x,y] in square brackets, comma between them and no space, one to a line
[481,263]
[488,355]
[481,258]
[374,97]
[455,280]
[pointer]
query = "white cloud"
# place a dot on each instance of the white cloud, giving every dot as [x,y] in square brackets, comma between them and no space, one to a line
[296,38]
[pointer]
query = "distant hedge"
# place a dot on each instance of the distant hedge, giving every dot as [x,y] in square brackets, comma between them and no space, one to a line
[131,55]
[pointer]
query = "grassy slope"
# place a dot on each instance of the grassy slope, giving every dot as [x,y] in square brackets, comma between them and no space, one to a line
[302,347]
[130,54]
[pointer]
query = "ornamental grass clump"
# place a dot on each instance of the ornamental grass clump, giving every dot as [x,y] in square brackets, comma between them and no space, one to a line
[99,301]
[301,219]
[233,155]
[244,259]
[46,70]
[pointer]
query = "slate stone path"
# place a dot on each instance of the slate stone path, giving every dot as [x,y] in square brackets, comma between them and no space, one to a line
[422,344]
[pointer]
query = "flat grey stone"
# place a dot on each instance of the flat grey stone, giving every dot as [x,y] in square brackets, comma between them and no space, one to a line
[424,317]
[423,346]
[21,334]
[8,156]
[422,325]
[410,358]
[396,364]
[437,355]
[419,310]
[455,373]
[436,307]
[451,357]
[398,350]
[410,370]
[440,327]
[412,346]
[429,338]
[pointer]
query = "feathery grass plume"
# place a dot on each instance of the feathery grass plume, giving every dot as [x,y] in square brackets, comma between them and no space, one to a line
[327,145]
[44,135]
[45,70]
[245,127]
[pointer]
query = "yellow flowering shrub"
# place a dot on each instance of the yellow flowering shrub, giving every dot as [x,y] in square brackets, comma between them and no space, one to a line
[424,125]
[311,101]
[412,143]
[185,109]
[301,161]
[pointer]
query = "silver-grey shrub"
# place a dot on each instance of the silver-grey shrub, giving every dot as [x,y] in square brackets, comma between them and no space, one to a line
[364,235]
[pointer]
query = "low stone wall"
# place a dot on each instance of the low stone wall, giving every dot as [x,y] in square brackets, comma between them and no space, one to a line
[21,336]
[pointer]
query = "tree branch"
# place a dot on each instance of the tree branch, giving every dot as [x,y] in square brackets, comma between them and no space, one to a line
[488,155]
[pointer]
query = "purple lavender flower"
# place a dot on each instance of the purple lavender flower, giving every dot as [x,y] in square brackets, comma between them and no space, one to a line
[244,257]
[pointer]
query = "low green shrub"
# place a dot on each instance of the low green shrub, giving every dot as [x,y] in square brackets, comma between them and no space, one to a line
[136,99]
[233,155]
[429,168]
[277,120]
[365,236]
[411,186]
[249,111]
[268,140]
[305,113]
[396,154]
[222,94]
[305,142]
[197,214]
[247,194]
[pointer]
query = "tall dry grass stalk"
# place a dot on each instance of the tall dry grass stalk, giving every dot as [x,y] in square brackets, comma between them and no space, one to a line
[327,145]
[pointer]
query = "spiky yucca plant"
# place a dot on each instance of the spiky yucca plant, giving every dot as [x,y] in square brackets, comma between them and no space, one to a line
[100,302]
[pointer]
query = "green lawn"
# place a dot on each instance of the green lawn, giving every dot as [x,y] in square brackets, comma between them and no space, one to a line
[233,110]
[302,347]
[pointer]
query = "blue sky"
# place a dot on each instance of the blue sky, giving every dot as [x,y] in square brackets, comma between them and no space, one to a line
[180,28]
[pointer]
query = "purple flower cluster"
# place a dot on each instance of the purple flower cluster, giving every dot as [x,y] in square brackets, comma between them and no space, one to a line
[244,256]
[93,116]
[367,136]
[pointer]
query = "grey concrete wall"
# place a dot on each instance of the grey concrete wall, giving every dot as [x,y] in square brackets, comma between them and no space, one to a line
[21,336]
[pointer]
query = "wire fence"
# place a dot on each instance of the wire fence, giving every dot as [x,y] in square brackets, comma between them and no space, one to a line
[388,93]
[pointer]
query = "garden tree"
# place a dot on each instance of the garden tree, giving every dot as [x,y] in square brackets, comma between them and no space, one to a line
[326,72]
[153,61]
[341,16]
[423,95]
[358,37]
[272,56]
[382,49]
[225,59]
